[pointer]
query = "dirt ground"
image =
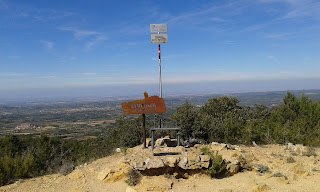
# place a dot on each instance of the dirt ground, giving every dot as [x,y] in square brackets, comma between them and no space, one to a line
[294,174]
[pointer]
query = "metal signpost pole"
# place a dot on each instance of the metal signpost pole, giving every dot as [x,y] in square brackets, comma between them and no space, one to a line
[160,73]
[144,130]
[160,81]
[156,37]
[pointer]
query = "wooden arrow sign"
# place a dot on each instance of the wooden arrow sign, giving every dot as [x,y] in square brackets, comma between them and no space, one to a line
[148,105]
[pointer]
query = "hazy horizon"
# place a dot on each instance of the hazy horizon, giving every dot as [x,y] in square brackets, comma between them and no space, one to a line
[169,89]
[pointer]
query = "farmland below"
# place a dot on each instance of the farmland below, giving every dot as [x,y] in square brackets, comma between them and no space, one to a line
[83,119]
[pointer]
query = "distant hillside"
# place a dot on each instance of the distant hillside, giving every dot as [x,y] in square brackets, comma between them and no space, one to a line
[247,99]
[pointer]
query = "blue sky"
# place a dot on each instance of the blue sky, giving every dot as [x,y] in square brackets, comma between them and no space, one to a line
[83,44]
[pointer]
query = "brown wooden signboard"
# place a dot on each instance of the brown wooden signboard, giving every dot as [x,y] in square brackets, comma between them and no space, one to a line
[148,105]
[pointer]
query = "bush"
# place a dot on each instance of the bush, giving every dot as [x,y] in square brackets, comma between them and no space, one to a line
[134,177]
[218,166]
[31,157]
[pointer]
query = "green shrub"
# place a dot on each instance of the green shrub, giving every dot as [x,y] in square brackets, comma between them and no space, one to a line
[218,166]
[134,177]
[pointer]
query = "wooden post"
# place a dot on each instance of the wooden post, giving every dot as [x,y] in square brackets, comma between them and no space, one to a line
[144,130]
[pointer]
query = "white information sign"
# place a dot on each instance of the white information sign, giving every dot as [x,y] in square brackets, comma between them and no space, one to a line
[159,38]
[155,28]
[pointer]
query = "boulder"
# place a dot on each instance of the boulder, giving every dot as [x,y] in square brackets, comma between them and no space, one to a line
[193,157]
[171,161]
[154,163]
[165,142]
[183,162]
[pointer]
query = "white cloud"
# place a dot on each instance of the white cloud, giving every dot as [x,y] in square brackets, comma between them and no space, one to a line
[80,34]
[14,74]
[48,77]
[14,57]
[94,42]
[274,59]
[93,38]
[280,35]
[217,19]
[255,27]
[205,14]
[47,44]
[89,74]
[229,42]
[299,8]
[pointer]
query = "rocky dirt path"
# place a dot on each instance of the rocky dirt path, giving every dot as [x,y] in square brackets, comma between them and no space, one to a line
[274,169]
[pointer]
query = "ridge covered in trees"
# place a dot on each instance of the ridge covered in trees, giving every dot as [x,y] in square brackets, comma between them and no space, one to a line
[221,119]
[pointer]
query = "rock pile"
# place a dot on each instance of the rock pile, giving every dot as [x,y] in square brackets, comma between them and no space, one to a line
[182,161]
[169,161]
[299,149]
[166,159]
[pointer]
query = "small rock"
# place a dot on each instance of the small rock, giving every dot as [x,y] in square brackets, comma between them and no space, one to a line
[118,150]
[261,168]
[244,163]
[104,173]
[225,190]
[205,164]
[191,142]
[254,144]
[130,189]
[75,190]
[261,187]
[116,176]
[223,146]
[215,143]
[282,180]
[75,175]
[233,169]
[204,158]
[290,147]
[290,160]
[148,142]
